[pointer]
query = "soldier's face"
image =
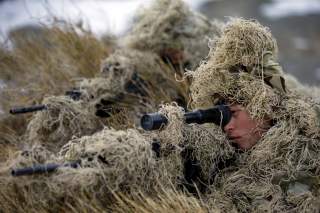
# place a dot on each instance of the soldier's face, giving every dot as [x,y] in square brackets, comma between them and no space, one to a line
[242,130]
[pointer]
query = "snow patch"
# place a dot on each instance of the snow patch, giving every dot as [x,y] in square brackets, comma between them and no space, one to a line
[277,9]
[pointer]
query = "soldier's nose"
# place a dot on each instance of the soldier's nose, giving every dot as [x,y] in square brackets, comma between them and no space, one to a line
[229,127]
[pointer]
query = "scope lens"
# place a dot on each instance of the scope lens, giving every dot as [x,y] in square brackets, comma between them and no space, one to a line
[146,122]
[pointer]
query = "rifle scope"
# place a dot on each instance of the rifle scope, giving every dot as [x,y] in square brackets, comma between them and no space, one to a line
[219,115]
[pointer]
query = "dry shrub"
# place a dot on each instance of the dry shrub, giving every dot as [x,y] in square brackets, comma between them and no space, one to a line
[62,119]
[170,29]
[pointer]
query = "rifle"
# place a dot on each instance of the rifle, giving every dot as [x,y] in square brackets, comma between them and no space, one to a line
[42,168]
[73,94]
[219,115]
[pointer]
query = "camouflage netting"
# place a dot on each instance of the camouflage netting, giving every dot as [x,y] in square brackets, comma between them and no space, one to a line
[62,119]
[280,173]
[170,29]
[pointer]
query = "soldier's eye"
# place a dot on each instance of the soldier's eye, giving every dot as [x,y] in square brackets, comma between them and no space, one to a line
[234,112]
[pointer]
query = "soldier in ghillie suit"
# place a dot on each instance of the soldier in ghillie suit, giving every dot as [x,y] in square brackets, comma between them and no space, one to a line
[134,79]
[154,52]
[174,32]
[141,81]
[276,131]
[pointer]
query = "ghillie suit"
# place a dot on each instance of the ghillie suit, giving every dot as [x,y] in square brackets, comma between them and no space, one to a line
[305,90]
[170,29]
[138,82]
[280,173]
[200,148]
[110,162]
[62,119]
[125,159]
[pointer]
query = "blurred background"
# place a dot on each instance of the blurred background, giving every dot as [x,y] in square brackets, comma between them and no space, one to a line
[294,23]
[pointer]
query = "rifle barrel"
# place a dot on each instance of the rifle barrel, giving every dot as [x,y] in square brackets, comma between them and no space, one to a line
[20,110]
[41,168]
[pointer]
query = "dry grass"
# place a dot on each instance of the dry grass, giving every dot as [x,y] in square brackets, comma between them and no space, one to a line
[166,200]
